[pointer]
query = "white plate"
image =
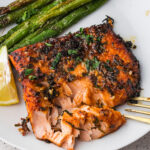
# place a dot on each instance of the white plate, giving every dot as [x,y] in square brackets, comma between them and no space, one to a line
[132,23]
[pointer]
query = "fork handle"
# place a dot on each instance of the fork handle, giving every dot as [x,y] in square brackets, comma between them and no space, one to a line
[141,119]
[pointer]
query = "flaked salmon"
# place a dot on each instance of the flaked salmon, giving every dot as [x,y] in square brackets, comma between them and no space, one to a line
[71,83]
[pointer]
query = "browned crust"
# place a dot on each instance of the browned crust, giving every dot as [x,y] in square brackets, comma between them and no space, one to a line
[114,45]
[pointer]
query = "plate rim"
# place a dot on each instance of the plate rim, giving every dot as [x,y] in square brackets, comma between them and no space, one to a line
[126,143]
[119,147]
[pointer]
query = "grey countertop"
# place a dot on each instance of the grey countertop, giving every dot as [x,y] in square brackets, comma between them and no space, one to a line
[141,144]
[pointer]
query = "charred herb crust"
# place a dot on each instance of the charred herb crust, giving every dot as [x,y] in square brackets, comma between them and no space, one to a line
[62,55]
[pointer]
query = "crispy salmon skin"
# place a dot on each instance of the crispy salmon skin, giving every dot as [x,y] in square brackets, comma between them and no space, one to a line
[82,72]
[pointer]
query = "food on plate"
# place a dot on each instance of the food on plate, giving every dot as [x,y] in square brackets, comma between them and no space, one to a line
[92,122]
[14,5]
[58,25]
[16,28]
[52,10]
[48,21]
[22,14]
[70,78]
[8,92]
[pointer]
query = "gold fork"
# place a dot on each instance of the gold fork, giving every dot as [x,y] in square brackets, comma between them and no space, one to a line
[134,102]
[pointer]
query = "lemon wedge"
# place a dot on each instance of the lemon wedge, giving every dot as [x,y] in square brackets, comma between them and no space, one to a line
[8,91]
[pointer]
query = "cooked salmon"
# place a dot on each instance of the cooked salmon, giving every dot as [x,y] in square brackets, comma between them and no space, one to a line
[71,82]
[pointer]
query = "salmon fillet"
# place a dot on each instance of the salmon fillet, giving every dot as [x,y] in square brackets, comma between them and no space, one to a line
[71,82]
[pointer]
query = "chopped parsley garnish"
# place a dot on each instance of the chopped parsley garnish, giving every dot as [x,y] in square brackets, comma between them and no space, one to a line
[28,72]
[78,35]
[92,64]
[81,30]
[56,61]
[107,67]
[78,60]
[81,33]
[32,77]
[98,39]
[101,47]
[108,61]
[89,38]
[95,63]
[99,87]
[72,52]
[87,64]
[48,44]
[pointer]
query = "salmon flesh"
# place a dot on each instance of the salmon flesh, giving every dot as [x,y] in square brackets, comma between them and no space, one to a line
[71,83]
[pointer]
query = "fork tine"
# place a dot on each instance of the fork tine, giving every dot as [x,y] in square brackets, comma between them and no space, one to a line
[139,105]
[138,111]
[141,119]
[147,99]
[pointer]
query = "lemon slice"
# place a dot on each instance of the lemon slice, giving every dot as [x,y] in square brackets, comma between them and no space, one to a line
[8,91]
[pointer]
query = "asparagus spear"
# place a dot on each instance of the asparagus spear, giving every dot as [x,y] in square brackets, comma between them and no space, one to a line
[4,37]
[57,28]
[50,22]
[43,10]
[32,35]
[10,32]
[14,5]
[38,20]
[23,12]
